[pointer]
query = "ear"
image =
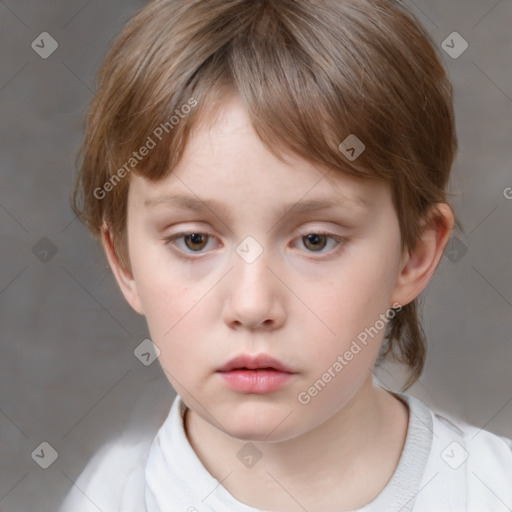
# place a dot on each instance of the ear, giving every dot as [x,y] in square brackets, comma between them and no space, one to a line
[124,277]
[418,265]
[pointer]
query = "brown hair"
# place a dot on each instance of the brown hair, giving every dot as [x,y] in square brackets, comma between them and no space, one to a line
[310,73]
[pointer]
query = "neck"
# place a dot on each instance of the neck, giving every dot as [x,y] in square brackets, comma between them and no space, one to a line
[343,463]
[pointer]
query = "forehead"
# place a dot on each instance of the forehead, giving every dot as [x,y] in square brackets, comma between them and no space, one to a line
[193,203]
[237,206]
[226,164]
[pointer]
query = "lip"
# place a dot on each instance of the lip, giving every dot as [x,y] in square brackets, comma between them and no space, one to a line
[255,374]
[256,381]
[259,362]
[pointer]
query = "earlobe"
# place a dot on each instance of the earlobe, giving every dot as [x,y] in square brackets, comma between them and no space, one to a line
[419,264]
[124,277]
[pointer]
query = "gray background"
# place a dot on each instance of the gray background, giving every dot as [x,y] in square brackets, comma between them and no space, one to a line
[68,373]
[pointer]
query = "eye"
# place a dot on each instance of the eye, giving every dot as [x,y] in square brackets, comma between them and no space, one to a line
[316,241]
[195,241]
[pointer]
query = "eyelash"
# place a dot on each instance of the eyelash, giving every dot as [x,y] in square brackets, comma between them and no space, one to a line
[170,240]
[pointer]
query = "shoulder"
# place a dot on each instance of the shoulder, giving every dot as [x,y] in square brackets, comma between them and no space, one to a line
[113,479]
[469,469]
[472,445]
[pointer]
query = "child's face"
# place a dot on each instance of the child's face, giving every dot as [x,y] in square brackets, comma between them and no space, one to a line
[302,301]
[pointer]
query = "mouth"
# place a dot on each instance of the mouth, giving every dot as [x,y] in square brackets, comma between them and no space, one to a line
[259,381]
[258,375]
[261,362]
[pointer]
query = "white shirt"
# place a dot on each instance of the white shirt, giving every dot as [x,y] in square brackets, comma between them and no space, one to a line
[445,466]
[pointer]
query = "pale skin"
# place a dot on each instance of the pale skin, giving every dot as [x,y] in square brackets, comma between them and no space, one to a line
[300,303]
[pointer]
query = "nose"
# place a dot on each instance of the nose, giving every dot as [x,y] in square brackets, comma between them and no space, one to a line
[255,296]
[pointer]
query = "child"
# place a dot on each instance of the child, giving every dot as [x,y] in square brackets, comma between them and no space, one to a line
[305,147]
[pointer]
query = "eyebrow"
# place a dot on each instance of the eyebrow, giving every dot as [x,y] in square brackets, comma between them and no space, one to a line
[186,202]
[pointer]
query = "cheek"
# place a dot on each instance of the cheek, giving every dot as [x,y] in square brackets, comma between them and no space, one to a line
[165,294]
[172,309]
[355,293]
[175,317]
[177,312]
[347,315]
[165,299]
[339,362]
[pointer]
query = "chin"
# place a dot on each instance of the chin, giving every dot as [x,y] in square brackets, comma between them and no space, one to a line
[254,421]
